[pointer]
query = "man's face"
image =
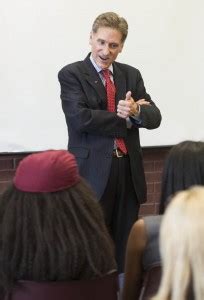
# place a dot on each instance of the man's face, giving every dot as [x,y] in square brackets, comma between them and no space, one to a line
[105,45]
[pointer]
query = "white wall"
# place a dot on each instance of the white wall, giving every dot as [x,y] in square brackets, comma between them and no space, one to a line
[38,37]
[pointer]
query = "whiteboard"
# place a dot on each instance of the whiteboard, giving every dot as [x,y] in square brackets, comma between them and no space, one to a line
[38,37]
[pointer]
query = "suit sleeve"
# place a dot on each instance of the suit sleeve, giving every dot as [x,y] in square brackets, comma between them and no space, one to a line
[150,114]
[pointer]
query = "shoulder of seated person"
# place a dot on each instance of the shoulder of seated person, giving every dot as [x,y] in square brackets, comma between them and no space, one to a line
[138,233]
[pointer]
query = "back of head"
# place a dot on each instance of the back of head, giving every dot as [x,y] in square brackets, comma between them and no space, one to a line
[112,20]
[51,225]
[184,167]
[48,171]
[182,247]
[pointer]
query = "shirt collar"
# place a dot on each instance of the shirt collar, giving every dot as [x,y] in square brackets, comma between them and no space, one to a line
[98,69]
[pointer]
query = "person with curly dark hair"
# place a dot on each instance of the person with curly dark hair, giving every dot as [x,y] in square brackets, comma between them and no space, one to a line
[51,226]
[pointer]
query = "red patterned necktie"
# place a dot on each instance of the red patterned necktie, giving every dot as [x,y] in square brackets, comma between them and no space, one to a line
[110,90]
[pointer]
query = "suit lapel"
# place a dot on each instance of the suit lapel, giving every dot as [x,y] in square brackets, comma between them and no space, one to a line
[94,80]
[120,83]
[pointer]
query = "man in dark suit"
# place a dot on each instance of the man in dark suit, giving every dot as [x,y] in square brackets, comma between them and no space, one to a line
[115,172]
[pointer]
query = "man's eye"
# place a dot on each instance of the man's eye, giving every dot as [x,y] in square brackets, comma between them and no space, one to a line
[114,46]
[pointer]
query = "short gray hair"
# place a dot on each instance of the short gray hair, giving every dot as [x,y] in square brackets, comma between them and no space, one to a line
[112,20]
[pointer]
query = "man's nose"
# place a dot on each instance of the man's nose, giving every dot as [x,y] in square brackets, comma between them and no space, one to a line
[106,50]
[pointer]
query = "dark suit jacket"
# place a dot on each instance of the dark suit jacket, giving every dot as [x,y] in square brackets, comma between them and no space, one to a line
[92,129]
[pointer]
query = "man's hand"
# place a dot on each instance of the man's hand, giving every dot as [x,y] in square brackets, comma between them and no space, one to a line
[128,107]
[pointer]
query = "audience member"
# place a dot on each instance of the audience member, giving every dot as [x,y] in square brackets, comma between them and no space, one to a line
[51,226]
[184,167]
[182,249]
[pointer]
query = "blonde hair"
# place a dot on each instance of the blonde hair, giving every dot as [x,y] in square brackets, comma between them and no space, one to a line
[182,247]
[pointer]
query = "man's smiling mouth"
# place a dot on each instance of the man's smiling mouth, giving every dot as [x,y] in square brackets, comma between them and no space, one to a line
[103,58]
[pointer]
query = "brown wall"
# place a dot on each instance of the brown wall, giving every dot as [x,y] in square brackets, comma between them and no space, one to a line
[153,163]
